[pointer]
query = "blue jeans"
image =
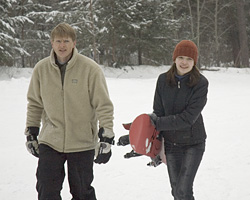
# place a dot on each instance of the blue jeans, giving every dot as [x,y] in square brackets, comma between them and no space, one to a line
[183,163]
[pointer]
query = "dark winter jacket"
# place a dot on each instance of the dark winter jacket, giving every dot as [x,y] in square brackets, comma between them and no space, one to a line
[179,110]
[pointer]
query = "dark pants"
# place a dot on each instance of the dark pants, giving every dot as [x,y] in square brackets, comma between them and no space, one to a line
[51,173]
[183,163]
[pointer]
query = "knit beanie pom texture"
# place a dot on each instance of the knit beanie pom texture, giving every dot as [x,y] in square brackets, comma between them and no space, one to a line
[186,48]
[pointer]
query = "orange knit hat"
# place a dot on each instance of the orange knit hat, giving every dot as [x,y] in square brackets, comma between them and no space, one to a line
[186,48]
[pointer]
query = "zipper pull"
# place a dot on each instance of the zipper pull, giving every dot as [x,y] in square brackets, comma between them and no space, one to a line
[179,84]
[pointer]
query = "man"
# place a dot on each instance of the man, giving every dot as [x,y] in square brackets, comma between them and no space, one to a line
[68,93]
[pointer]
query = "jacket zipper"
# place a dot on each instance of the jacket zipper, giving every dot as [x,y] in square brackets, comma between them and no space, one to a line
[176,94]
[179,84]
[64,127]
[62,95]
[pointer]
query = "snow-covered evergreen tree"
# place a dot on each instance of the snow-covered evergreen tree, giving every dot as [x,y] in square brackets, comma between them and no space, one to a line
[138,28]
[118,32]
[81,15]
[9,44]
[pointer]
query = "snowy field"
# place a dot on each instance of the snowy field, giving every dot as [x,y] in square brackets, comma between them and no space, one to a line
[224,173]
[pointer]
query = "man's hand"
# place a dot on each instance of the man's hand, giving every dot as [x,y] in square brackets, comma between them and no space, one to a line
[103,149]
[32,143]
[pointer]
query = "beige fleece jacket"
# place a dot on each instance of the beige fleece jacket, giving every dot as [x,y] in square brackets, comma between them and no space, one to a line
[70,113]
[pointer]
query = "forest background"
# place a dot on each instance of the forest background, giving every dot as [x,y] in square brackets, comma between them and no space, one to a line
[116,33]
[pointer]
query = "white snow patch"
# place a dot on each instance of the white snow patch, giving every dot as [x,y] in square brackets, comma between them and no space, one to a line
[224,172]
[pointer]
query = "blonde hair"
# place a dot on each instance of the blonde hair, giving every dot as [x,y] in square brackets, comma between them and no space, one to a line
[63,30]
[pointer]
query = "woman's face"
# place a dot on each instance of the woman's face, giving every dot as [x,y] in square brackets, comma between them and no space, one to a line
[184,64]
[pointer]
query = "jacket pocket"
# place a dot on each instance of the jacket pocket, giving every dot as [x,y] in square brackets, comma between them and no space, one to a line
[198,130]
[83,133]
[179,137]
[47,128]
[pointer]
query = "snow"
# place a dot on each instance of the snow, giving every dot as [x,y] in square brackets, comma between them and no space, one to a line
[224,172]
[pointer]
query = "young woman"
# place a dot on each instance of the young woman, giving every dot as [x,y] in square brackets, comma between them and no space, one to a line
[180,96]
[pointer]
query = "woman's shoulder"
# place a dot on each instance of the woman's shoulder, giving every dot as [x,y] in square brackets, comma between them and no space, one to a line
[203,79]
[162,77]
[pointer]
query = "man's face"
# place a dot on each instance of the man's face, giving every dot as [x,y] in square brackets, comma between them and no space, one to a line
[63,47]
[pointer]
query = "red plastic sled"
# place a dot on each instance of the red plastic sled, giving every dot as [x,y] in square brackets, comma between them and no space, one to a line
[144,137]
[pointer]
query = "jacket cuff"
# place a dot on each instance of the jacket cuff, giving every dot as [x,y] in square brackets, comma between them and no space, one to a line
[32,131]
[108,133]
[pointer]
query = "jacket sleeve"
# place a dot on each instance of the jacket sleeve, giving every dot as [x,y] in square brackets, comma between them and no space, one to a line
[189,116]
[158,107]
[35,105]
[101,102]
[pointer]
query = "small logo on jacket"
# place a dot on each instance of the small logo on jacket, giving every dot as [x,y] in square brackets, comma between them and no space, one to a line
[74,81]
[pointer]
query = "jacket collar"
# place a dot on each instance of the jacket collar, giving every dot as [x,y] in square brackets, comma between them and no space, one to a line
[180,78]
[70,62]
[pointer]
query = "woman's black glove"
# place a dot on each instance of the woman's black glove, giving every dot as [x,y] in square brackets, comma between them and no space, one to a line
[153,118]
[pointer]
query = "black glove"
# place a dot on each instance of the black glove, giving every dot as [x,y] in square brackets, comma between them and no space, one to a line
[155,161]
[103,150]
[32,143]
[153,118]
[123,140]
[132,154]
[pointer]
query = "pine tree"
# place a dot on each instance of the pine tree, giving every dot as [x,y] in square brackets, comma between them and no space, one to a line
[136,28]
[8,43]
[81,15]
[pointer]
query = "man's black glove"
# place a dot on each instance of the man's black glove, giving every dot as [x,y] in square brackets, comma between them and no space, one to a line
[32,143]
[103,149]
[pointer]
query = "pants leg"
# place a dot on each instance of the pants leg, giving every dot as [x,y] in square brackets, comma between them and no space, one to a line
[50,173]
[80,174]
[183,163]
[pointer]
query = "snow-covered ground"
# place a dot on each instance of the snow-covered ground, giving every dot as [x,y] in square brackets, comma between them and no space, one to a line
[224,173]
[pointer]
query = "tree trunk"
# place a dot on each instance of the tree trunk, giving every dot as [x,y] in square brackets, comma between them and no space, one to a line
[139,48]
[236,47]
[216,34]
[244,50]
[191,19]
[93,33]
[114,59]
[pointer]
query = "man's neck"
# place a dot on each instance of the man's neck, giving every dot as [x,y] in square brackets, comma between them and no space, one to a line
[64,61]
